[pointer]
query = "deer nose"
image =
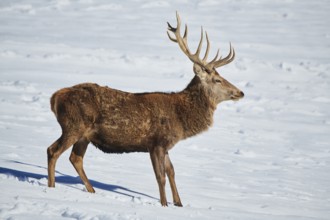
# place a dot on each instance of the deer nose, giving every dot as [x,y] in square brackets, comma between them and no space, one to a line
[242,94]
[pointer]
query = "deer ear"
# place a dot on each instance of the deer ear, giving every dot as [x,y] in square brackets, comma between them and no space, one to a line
[200,72]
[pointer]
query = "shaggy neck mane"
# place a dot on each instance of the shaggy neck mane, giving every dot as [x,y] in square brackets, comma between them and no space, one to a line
[196,110]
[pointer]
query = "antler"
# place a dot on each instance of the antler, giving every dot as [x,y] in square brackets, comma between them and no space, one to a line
[183,44]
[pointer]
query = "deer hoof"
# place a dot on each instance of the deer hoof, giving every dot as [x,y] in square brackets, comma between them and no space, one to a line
[179,204]
[90,189]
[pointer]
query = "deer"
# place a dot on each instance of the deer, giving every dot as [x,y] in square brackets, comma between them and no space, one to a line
[116,121]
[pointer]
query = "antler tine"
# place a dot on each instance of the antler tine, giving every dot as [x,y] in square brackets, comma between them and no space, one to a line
[215,58]
[170,27]
[168,34]
[174,30]
[183,42]
[185,38]
[185,35]
[178,21]
[229,58]
[200,44]
[207,48]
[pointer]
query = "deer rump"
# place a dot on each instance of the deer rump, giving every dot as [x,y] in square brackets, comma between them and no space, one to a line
[112,120]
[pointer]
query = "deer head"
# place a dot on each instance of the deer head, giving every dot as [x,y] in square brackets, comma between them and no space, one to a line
[218,88]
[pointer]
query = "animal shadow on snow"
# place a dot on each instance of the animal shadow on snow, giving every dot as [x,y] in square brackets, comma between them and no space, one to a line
[68,180]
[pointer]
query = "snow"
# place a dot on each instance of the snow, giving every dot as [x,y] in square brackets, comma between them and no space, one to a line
[266,157]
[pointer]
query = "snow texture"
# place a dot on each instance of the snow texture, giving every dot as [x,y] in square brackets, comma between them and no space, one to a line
[266,157]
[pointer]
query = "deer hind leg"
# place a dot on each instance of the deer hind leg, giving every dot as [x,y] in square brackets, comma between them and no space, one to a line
[171,176]
[54,152]
[157,156]
[76,158]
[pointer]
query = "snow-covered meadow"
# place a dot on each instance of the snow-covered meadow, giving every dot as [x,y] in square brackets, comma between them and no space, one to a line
[266,157]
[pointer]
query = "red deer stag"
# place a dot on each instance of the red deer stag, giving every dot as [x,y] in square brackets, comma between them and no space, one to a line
[122,122]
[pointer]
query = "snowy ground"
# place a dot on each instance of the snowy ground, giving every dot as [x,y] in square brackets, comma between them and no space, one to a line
[266,157]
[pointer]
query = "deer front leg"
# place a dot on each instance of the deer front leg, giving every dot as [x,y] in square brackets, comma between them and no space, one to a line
[157,156]
[171,176]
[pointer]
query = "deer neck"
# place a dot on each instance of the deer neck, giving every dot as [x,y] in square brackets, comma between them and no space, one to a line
[198,109]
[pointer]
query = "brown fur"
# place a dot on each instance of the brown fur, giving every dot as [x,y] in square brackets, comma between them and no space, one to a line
[118,122]
[121,122]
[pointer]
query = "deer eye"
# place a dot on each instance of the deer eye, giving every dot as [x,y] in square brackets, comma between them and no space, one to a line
[218,81]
